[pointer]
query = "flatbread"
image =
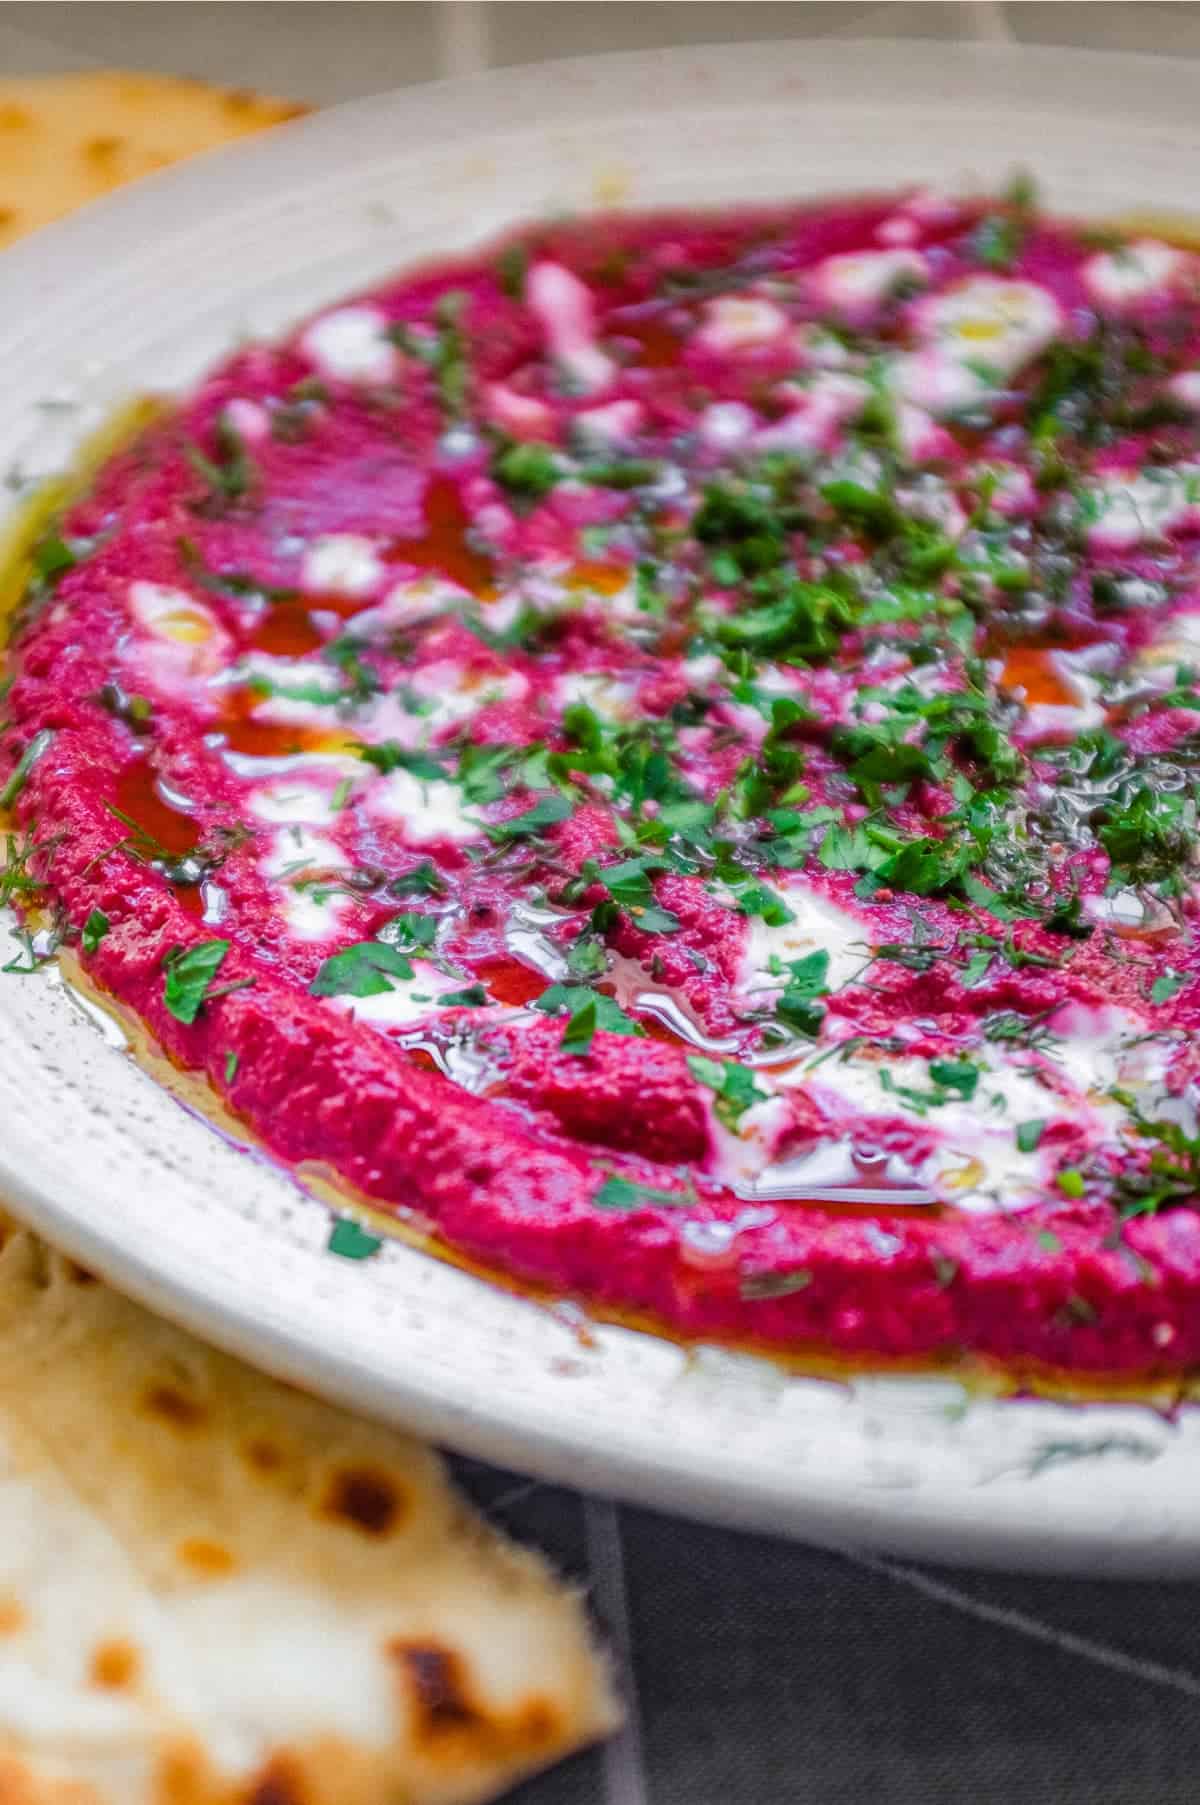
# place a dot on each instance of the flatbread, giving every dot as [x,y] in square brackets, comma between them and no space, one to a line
[67,139]
[215,1590]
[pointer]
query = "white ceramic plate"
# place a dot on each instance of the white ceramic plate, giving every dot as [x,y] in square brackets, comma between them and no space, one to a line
[146,289]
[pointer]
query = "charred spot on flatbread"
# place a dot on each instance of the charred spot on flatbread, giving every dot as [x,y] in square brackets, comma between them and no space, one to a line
[278,1786]
[366,1498]
[264,1455]
[102,150]
[172,1405]
[448,1718]
[436,1685]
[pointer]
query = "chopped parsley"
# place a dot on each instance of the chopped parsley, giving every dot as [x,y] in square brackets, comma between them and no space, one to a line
[409,931]
[367,969]
[350,1241]
[1168,984]
[997,240]
[31,957]
[547,811]
[624,473]
[527,469]
[24,765]
[807,979]
[443,349]
[188,978]
[473,996]
[512,267]
[957,1075]
[951,1080]
[94,929]
[423,880]
[736,1088]
[586,957]
[137,712]
[742,529]
[760,1287]
[624,1194]
[580,1030]
[628,883]
[792,618]
[52,558]
[1149,834]
[390,756]
[587,1010]
[229,474]
[1170,1175]
[18,882]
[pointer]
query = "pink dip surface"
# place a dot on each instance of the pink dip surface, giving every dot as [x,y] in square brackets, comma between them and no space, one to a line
[666,755]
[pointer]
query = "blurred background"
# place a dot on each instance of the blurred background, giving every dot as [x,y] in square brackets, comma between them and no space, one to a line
[336,49]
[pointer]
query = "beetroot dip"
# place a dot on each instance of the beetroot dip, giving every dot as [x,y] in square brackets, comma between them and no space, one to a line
[665,754]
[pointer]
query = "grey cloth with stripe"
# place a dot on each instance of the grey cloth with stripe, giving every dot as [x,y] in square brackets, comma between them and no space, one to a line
[759,1672]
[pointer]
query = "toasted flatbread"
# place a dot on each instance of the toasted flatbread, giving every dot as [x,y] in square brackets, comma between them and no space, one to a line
[214,1588]
[67,139]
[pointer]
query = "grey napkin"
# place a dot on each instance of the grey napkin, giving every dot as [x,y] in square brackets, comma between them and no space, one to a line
[758,1672]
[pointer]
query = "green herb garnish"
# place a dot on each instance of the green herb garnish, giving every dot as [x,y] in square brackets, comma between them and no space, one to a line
[24,765]
[474,996]
[423,880]
[957,1075]
[588,1011]
[409,931]
[230,473]
[736,1088]
[364,970]
[528,469]
[624,1194]
[94,929]
[188,974]
[548,811]
[1167,985]
[759,1287]
[350,1241]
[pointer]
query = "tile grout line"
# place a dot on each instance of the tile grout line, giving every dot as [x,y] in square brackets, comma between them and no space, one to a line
[463,35]
[987,22]
[624,1765]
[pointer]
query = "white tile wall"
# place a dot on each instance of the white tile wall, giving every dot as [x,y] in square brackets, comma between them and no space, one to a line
[334,49]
